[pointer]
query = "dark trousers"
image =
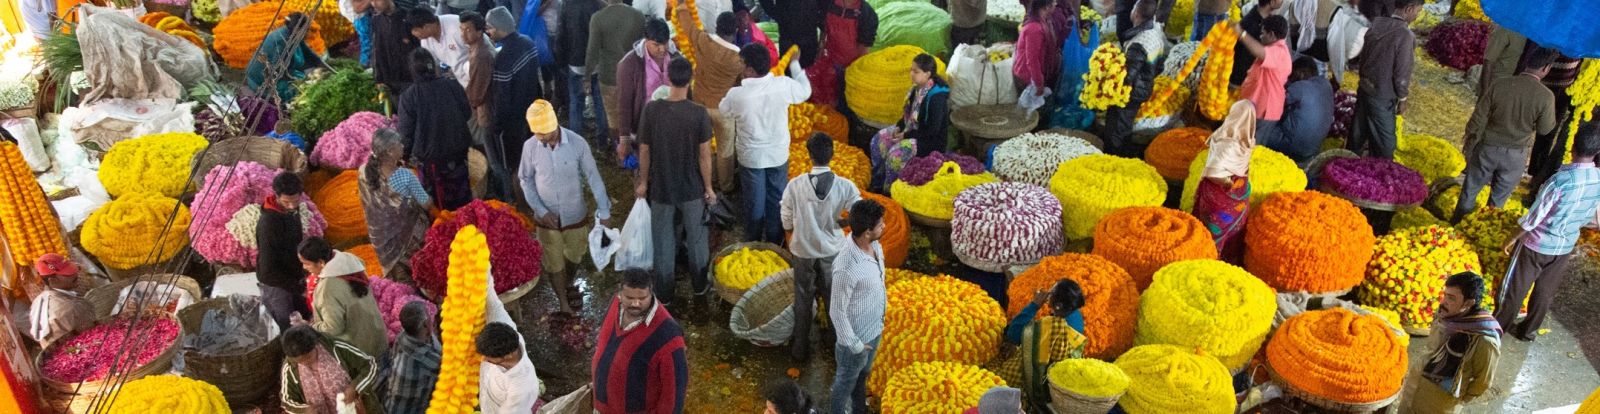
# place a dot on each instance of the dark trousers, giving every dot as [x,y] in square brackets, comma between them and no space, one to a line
[1500,168]
[1373,132]
[282,302]
[1530,267]
[762,188]
[811,276]
[665,219]
[447,183]
[1549,149]
[964,35]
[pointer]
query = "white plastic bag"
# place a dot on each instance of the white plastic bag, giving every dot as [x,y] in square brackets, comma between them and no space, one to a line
[599,249]
[1031,99]
[635,252]
[26,130]
[975,80]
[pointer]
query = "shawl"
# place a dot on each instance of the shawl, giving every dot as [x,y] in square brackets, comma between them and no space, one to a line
[322,381]
[1232,142]
[396,225]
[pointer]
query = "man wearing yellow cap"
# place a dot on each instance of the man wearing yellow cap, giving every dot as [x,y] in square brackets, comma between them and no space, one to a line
[555,164]
[58,311]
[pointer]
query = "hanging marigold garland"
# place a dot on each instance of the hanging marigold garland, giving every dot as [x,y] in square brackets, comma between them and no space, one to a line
[1338,355]
[1585,92]
[30,225]
[1207,305]
[173,25]
[1308,242]
[1142,240]
[456,392]
[1212,94]
[1110,305]
[1103,86]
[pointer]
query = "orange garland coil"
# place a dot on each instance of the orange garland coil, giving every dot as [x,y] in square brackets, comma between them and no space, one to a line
[340,200]
[834,124]
[1207,305]
[1111,299]
[1339,355]
[936,319]
[237,36]
[173,25]
[896,240]
[1308,242]
[1173,150]
[335,28]
[848,162]
[30,225]
[1212,93]
[1144,239]
[369,257]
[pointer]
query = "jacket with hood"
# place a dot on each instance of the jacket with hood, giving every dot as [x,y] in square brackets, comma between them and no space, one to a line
[811,206]
[278,234]
[341,315]
[1387,60]
[631,95]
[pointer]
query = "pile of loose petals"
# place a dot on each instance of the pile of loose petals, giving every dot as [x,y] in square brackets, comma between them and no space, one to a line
[921,170]
[1110,305]
[1208,305]
[513,253]
[89,355]
[936,319]
[1431,156]
[746,267]
[1408,271]
[462,319]
[1308,242]
[1338,355]
[1374,180]
[1142,240]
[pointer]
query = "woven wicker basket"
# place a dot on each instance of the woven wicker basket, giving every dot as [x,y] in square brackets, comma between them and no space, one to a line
[245,378]
[765,314]
[104,298]
[928,221]
[993,121]
[78,397]
[730,294]
[1063,401]
[1328,403]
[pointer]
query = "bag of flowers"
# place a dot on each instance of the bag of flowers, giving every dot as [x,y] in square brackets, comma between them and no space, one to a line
[1207,305]
[1111,300]
[1408,270]
[928,186]
[340,197]
[997,225]
[231,343]
[764,315]
[168,394]
[938,387]
[876,84]
[132,232]
[226,209]
[1339,360]
[1308,241]
[79,368]
[513,252]
[1142,240]
[471,258]
[1174,379]
[156,163]
[1033,157]
[1271,172]
[739,266]
[1085,386]
[935,319]
[1092,186]
[348,144]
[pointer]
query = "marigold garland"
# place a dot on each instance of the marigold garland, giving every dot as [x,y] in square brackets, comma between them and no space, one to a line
[1092,186]
[1471,9]
[334,27]
[680,34]
[997,225]
[746,267]
[896,240]
[156,163]
[1590,405]
[1415,216]
[173,25]
[1089,377]
[1172,379]
[123,232]
[30,224]
[461,320]
[876,84]
[238,36]
[1033,157]
[1443,203]
[1180,18]
[782,65]
[1110,298]
[938,387]
[1487,230]
[1142,240]
[1585,91]
[936,319]
[848,162]
[1431,156]
[892,276]
[369,257]
[513,253]
[1338,355]
[1212,94]
[1408,271]
[801,117]
[169,394]
[1169,104]
[1308,242]
[1173,150]
[340,199]
[349,144]
[831,122]
[1207,305]
[1103,85]
[936,198]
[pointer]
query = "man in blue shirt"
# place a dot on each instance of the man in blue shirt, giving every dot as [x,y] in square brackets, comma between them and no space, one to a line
[556,164]
[1547,235]
[1307,114]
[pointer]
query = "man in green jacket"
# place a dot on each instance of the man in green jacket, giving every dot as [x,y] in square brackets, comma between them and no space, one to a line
[612,32]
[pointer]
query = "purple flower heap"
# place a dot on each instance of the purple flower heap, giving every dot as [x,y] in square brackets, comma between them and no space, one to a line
[1374,180]
[920,170]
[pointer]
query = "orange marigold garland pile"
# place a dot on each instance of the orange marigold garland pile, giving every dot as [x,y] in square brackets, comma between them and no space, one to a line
[936,319]
[1173,150]
[340,199]
[1144,239]
[1212,94]
[1207,305]
[334,27]
[1111,300]
[173,25]
[30,226]
[832,123]
[937,387]
[1338,355]
[237,36]
[1308,241]
[896,239]
[369,257]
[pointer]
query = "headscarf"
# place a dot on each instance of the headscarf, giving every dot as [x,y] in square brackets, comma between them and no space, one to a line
[1232,142]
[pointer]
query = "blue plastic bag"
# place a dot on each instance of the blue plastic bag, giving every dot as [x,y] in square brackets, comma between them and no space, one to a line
[1075,52]
[532,25]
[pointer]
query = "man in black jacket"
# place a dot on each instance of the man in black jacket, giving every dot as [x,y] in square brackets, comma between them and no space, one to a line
[433,119]
[391,46]
[798,21]
[574,41]
[278,232]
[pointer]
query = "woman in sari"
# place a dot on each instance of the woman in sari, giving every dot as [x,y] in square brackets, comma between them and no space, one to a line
[923,127]
[1043,341]
[1223,196]
[396,205]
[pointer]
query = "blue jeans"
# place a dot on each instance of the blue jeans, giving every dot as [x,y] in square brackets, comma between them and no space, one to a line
[850,379]
[575,93]
[1203,23]
[762,188]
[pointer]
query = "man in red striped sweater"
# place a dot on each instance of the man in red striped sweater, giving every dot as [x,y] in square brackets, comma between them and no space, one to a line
[639,365]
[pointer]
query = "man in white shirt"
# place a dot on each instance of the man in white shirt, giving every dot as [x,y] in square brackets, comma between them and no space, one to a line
[858,301]
[441,36]
[508,383]
[759,111]
[811,206]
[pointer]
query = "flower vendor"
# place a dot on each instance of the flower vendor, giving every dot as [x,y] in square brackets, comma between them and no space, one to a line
[342,303]
[278,235]
[1223,197]
[1386,62]
[1545,242]
[811,206]
[675,177]
[556,165]
[849,28]
[1264,83]
[480,74]
[1140,83]
[1346,33]
[856,306]
[798,23]
[1501,57]
[433,119]
[1253,23]
[391,46]
[1307,114]
[441,36]
[927,111]
[515,85]
[1502,131]
[396,205]
[607,43]
[640,353]
[413,362]
[1038,57]
[1463,348]
[320,374]
[509,383]
[785,396]
[57,311]
[276,46]
[640,72]
[1044,341]
[999,400]
[717,67]
[759,110]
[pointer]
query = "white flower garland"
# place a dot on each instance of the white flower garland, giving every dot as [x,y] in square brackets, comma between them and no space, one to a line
[1033,157]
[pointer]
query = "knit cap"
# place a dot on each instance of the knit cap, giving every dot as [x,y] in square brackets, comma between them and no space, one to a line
[500,18]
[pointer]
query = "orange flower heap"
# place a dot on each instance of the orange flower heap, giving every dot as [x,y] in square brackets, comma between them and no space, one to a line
[369,257]
[30,226]
[1207,305]
[1173,150]
[896,240]
[237,36]
[340,200]
[1111,300]
[1308,242]
[848,162]
[1143,239]
[936,319]
[462,319]
[1338,355]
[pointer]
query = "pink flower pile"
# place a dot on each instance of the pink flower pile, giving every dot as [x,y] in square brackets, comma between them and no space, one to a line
[1458,44]
[1375,180]
[220,197]
[1344,112]
[90,355]
[347,145]
[513,253]
[920,170]
[391,297]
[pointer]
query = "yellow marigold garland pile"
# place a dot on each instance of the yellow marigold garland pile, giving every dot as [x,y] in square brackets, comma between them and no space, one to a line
[1308,241]
[892,276]
[1173,379]
[1208,305]
[1338,355]
[1444,203]
[937,387]
[1487,231]
[746,267]
[333,27]
[936,199]
[461,320]
[936,319]
[1590,405]
[1415,216]
[1585,92]
[1173,150]
[876,84]
[173,25]
[340,199]
[1408,271]
[30,225]
[1103,86]
[238,35]
[1471,9]
[156,163]
[1111,300]
[169,394]
[1142,240]
[1431,156]
[1271,172]
[1169,104]
[848,162]
[123,233]
[802,117]
[1089,377]
[1212,94]
[1092,186]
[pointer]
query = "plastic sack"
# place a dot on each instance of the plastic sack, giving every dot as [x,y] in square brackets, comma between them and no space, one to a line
[26,130]
[635,250]
[976,80]
[602,245]
[1075,54]
[1031,99]
[580,401]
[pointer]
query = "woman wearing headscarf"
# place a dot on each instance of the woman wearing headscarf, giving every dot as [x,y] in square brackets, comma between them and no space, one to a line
[1043,341]
[341,302]
[1223,197]
[396,205]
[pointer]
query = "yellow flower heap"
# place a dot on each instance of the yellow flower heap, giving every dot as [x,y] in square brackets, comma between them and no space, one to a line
[848,161]
[1179,20]
[1431,156]
[892,276]
[936,319]
[876,84]
[1308,242]
[1443,204]
[937,198]
[335,27]
[1471,9]
[156,163]
[1408,270]
[1271,172]
[1415,216]
[1088,377]
[1171,379]
[169,394]
[123,232]
[1487,230]
[26,219]
[802,120]
[937,387]
[746,267]
[1212,94]
[1208,305]
[461,320]
[1103,86]
[1092,186]
[1585,92]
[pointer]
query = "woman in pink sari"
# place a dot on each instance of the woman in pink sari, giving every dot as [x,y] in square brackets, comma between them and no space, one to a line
[1223,197]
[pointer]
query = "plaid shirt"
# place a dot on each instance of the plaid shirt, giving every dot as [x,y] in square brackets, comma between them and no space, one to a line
[416,369]
[1566,203]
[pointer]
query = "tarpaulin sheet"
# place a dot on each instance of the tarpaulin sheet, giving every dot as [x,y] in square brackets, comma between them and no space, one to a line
[1567,25]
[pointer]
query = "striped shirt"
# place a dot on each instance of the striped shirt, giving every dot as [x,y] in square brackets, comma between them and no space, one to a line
[1566,203]
[858,295]
[57,313]
[416,369]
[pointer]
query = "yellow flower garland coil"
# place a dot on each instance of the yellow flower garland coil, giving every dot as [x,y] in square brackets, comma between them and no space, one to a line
[462,317]
[892,276]
[1212,94]
[1092,186]
[876,84]
[168,394]
[123,233]
[936,319]
[746,267]
[1165,379]
[30,225]
[1408,270]
[1103,86]
[1590,405]
[936,199]
[157,163]
[1208,305]
[1339,355]
[1032,157]
[1271,172]
[937,387]
[1088,377]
